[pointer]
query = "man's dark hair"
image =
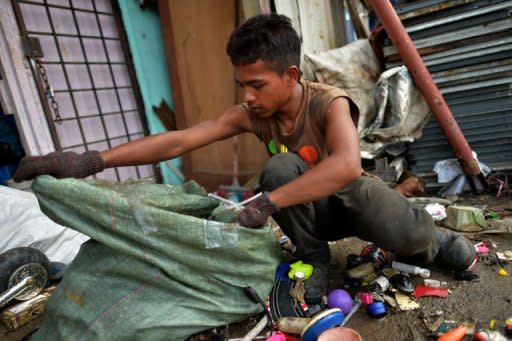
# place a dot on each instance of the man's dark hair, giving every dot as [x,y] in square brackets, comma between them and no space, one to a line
[269,37]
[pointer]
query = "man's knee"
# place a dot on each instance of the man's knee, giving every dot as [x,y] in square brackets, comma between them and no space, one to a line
[281,169]
[414,242]
[418,235]
[387,218]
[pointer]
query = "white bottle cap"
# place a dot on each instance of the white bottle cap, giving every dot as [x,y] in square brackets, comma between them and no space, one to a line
[299,275]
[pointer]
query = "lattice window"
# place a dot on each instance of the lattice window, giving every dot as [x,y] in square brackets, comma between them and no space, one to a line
[91,76]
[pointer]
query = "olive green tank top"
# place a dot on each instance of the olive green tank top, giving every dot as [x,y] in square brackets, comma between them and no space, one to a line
[308,137]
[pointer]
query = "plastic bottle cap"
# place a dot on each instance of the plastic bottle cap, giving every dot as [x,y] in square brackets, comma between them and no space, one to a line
[424,273]
[299,275]
[377,310]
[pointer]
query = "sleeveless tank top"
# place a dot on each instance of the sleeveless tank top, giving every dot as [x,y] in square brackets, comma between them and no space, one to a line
[308,137]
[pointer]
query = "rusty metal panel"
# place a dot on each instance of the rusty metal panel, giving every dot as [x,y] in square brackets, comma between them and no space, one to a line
[420,8]
[485,117]
[467,47]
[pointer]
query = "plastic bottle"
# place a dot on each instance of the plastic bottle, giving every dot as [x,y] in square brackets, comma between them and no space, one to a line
[434,283]
[361,270]
[292,325]
[411,269]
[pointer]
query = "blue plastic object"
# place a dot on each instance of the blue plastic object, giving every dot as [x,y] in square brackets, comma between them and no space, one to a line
[377,310]
[282,272]
[326,320]
[5,175]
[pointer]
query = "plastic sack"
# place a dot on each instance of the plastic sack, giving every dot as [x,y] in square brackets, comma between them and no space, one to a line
[353,68]
[436,211]
[23,224]
[402,112]
[449,172]
[392,110]
[161,270]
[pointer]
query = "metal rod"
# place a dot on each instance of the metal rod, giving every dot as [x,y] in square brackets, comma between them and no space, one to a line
[101,140]
[63,7]
[253,333]
[352,311]
[69,35]
[105,114]
[425,83]
[83,63]
[94,89]
[8,295]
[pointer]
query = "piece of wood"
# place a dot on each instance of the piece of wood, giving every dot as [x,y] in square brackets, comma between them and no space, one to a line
[20,84]
[195,36]
[22,313]
[319,23]
[166,115]
[362,29]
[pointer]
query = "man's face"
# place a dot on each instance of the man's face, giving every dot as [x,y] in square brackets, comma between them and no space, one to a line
[263,89]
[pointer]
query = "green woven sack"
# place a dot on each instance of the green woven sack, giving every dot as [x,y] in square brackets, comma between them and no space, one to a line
[157,268]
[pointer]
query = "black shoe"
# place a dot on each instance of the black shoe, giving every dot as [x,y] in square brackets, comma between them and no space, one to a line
[317,285]
[455,251]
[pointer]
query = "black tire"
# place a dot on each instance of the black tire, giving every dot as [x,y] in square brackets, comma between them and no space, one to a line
[13,259]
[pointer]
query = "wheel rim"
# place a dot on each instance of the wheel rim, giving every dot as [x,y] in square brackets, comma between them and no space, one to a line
[37,272]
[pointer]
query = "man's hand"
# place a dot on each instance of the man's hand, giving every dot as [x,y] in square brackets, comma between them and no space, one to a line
[256,213]
[60,165]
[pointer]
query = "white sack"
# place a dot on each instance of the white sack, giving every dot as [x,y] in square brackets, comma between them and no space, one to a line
[23,224]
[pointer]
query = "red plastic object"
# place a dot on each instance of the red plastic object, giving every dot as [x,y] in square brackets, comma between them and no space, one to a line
[422,290]
[291,338]
[480,336]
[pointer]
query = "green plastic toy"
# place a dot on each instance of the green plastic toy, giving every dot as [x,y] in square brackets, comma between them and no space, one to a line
[299,266]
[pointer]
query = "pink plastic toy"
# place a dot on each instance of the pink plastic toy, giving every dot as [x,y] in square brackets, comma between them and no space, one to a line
[366,298]
[277,337]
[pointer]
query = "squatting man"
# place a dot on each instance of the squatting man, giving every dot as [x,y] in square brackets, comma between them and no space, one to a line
[313,183]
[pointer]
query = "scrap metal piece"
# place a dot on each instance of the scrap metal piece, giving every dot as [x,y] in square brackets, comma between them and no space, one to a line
[405,303]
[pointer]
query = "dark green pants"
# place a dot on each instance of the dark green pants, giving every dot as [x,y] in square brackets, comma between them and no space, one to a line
[366,208]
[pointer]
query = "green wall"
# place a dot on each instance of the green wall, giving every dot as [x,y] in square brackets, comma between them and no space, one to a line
[144,34]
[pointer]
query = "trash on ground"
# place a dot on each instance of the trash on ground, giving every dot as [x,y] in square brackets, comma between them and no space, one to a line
[422,291]
[465,219]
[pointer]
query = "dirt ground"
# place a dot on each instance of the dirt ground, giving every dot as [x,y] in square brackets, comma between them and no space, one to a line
[489,297]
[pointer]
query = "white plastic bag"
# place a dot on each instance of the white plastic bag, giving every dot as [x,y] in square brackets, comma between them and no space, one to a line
[23,224]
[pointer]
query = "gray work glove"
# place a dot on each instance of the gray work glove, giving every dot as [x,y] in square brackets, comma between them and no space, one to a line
[256,213]
[60,165]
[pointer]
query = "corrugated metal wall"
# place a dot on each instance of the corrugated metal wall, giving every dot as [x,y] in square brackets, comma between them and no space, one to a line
[467,46]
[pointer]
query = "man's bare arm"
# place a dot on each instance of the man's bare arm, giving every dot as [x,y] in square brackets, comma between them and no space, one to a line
[342,166]
[168,145]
